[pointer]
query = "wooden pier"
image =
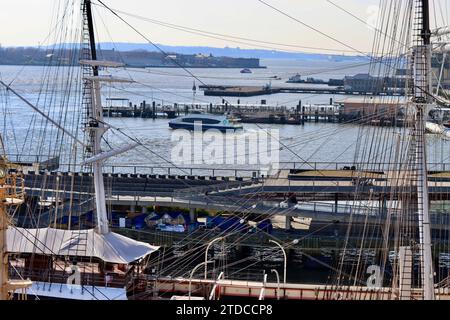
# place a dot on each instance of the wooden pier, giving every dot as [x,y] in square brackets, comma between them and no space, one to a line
[363,112]
[250,91]
[247,113]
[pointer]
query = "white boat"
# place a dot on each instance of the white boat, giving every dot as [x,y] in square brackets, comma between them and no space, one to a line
[204,122]
[437,129]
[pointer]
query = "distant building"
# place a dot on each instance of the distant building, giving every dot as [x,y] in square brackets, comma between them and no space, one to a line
[402,72]
[364,82]
[441,67]
[373,108]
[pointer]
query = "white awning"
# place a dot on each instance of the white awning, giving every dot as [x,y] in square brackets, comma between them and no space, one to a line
[108,154]
[108,79]
[99,63]
[442,48]
[441,31]
[111,247]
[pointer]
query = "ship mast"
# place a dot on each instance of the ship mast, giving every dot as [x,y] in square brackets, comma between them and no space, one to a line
[421,57]
[11,194]
[94,125]
[3,248]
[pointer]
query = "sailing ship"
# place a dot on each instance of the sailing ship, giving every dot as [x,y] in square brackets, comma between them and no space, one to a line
[72,263]
[385,255]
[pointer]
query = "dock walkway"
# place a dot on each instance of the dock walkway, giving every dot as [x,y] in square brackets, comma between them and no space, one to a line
[321,200]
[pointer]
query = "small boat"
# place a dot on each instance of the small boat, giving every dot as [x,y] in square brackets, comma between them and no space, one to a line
[310,80]
[205,122]
[295,79]
[246,70]
[435,128]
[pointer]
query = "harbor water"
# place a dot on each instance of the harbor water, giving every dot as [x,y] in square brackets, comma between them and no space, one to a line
[312,142]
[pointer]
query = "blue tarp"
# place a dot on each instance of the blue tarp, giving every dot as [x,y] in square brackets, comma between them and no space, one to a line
[73,220]
[225,224]
[139,221]
[89,216]
[173,216]
[234,224]
[265,225]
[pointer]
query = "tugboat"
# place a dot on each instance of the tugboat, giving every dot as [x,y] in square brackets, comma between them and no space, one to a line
[295,79]
[205,122]
[310,80]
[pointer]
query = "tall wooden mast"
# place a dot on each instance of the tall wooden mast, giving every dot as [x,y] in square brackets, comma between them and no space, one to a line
[421,54]
[94,125]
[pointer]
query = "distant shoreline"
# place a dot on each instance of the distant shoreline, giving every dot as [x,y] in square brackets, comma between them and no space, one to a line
[137,67]
[201,67]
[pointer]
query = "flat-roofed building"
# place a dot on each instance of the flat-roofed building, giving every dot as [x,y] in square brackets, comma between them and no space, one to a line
[364,82]
[369,109]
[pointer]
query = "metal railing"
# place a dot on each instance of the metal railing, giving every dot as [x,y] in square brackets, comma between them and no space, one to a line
[226,170]
[257,172]
[314,208]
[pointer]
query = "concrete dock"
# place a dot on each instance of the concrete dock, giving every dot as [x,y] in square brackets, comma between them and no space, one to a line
[320,195]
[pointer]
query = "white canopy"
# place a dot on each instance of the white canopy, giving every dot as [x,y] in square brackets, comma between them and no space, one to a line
[108,154]
[99,63]
[111,247]
[108,79]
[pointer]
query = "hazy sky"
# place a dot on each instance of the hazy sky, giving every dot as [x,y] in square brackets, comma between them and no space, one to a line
[27,22]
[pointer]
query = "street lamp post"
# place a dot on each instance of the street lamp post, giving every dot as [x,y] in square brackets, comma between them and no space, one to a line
[278,282]
[206,254]
[285,258]
[192,274]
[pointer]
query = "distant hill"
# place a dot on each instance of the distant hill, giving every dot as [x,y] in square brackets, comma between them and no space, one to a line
[70,55]
[231,52]
[146,55]
[228,52]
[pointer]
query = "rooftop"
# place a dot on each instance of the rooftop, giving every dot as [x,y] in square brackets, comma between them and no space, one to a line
[374,100]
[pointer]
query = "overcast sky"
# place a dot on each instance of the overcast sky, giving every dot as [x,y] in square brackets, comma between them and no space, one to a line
[27,22]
